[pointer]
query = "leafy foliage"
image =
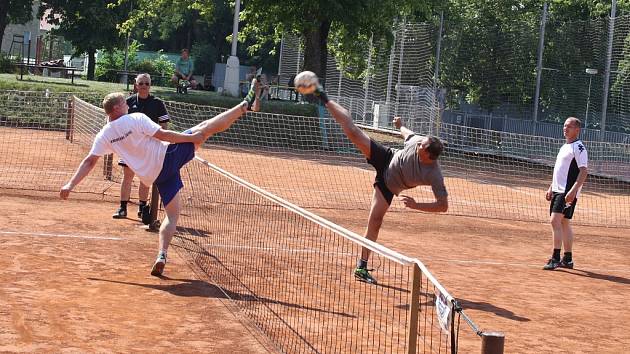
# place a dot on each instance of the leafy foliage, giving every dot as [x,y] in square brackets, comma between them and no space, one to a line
[114,60]
[89,25]
[6,64]
[345,21]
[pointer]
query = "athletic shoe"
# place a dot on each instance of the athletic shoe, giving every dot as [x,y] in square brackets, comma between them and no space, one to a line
[321,94]
[552,264]
[363,274]
[566,264]
[145,215]
[120,214]
[158,266]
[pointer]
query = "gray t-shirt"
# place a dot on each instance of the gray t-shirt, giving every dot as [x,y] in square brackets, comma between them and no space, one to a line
[405,171]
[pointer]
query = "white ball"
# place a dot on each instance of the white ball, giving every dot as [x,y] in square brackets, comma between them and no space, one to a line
[306,82]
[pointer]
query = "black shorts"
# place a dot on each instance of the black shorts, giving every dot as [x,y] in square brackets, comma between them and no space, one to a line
[558,205]
[380,156]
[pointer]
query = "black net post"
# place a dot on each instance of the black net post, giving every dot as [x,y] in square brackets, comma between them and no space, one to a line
[492,342]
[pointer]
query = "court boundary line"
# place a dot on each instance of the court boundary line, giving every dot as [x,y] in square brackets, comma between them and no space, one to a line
[43,234]
[520,265]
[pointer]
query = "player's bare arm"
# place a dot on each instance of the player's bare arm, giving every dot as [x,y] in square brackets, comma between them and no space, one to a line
[439,206]
[84,169]
[404,131]
[176,138]
[570,196]
[549,193]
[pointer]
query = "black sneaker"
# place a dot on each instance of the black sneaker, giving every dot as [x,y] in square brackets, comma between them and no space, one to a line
[566,264]
[145,215]
[321,94]
[121,213]
[552,264]
[363,274]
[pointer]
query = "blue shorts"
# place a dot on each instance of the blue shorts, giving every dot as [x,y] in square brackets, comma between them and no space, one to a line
[169,182]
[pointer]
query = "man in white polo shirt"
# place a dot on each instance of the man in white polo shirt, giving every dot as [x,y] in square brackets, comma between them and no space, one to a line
[569,174]
[154,154]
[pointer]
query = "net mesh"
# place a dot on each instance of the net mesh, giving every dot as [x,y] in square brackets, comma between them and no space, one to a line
[488,174]
[39,150]
[288,270]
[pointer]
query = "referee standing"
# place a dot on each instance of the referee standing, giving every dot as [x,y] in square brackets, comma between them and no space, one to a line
[153,107]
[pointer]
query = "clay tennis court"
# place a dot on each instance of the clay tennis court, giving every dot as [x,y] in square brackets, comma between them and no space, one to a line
[75,279]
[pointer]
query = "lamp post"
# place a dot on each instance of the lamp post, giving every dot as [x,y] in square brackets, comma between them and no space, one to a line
[232,68]
[590,73]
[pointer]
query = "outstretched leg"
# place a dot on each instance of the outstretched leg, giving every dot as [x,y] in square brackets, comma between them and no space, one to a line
[167,230]
[356,135]
[375,220]
[307,81]
[224,120]
[377,212]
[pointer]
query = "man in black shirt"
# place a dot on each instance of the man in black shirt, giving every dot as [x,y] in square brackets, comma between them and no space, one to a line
[154,108]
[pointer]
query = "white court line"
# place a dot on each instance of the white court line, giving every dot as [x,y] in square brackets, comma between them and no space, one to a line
[521,265]
[41,234]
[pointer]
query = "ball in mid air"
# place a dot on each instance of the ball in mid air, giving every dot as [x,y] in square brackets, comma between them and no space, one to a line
[306,82]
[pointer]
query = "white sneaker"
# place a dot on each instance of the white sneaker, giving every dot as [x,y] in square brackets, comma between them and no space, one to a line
[158,266]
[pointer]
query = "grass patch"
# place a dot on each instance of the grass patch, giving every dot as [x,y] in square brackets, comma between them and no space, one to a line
[206,98]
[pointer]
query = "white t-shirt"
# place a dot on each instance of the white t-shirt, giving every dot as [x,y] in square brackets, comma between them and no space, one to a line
[131,138]
[565,172]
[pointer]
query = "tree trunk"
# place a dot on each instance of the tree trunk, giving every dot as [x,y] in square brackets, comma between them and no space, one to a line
[91,63]
[4,17]
[315,49]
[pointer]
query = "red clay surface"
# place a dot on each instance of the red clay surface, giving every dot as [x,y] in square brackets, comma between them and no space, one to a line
[96,295]
[75,280]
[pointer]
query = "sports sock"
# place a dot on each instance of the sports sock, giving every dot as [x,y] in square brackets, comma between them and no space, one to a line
[362,263]
[142,204]
[123,204]
[568,256]
[556,254]
[251,96]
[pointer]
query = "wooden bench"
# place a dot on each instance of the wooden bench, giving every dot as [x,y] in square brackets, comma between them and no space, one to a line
[68,70]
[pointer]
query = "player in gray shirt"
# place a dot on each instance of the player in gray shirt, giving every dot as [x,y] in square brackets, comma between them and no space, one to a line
[396,170]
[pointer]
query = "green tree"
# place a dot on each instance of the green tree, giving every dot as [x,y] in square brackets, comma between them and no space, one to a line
[315,21]
[14,11]
[89,25]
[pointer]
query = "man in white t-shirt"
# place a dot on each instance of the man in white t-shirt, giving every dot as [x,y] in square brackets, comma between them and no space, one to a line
[154,154]
[569,174]
[396,170]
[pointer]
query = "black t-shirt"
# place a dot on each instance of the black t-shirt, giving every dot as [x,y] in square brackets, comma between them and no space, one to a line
[152,106]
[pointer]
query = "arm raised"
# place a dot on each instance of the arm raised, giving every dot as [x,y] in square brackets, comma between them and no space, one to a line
[175,137]
[404,131]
